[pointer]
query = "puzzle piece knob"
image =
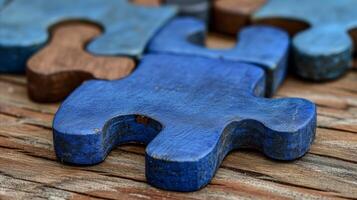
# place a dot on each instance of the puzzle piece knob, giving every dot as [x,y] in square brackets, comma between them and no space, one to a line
[322,53]
[185,157]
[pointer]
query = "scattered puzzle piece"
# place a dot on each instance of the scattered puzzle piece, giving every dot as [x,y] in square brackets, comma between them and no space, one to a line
[62,65]
[127,27]
[195,8]
[229,16]
[190,111]
[264,46]
[323,51]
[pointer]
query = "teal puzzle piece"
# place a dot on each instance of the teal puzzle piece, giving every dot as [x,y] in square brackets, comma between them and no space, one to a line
[323,51]
[127,27]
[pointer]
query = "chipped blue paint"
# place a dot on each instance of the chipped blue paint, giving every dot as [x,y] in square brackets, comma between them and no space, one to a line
[190,111]
[127,28]
[324,51]
[261,45]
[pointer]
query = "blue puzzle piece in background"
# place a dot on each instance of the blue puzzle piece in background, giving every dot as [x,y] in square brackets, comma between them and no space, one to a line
[127,28]
[323,51]
[265,46]
[190,111]
[195,8]
[3,3]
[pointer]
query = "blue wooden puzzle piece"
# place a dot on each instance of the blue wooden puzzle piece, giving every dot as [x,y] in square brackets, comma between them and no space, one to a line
[323,51]
[3,3]
[195,8]
[126,28]
[190,111]
[265,46]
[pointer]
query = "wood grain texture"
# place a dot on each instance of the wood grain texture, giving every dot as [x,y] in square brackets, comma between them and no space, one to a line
[28,168]
[229,16]
[63,63]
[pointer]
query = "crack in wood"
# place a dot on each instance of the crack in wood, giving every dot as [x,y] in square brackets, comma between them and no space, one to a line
[21,114]
[53,187]
[335,129]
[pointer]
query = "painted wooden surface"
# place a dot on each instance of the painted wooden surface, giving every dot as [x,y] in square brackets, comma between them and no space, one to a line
[63,64]
[265,46]
[194,8]
[229,16]
[3,4]
[324,50]
[190,119]
[20,37]
[29,168]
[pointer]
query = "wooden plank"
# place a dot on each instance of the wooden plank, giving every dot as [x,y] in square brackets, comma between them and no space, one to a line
[15,93]
[128,163]
[28,166]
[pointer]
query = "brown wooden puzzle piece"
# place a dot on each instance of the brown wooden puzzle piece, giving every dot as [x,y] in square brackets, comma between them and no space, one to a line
[147,2]
[63,64]
[229,16]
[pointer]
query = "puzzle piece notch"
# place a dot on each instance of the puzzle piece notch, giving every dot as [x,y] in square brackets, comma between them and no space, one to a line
[230,16]
[323,51]
[62,65]
[264,46]
[124,30]
[190,119]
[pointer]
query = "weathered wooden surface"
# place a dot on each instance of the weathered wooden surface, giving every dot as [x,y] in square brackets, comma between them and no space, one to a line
[28,167]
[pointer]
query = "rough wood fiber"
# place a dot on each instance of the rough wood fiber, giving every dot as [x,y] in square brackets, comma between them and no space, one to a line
[28,167]
[64,64]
